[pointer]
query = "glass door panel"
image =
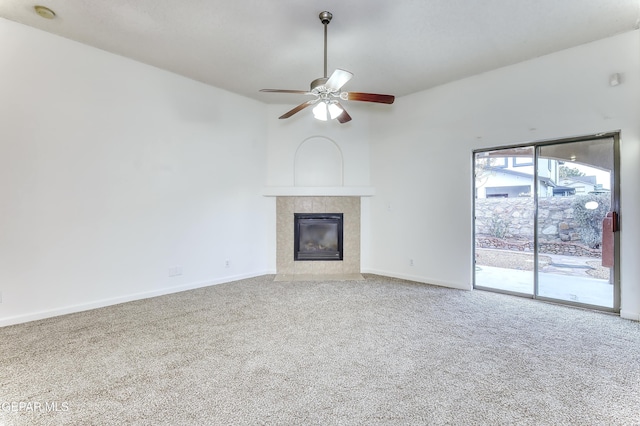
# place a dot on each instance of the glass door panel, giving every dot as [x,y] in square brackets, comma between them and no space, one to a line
[504,220]
[574,194]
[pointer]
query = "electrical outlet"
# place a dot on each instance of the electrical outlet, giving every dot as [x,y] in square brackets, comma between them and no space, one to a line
[226,263]
[174,271]
[410,262]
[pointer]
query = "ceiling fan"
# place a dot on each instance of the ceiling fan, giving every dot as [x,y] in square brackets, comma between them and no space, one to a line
[327,91]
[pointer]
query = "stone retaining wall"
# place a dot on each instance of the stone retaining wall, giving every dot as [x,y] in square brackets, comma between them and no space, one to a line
[507,223]
[566,249]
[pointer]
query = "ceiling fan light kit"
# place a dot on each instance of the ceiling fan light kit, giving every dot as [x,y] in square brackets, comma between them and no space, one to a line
[327,90]
[324,109]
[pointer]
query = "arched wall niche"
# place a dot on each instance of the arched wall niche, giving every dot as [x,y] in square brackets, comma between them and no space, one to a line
[318,162]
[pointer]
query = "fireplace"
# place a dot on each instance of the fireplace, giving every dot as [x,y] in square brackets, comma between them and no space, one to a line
[287,267]
[318,236]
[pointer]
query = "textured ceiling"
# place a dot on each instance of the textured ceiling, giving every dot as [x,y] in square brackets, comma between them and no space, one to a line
[394,47]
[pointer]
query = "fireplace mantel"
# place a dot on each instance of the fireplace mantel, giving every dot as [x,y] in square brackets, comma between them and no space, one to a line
[319,191]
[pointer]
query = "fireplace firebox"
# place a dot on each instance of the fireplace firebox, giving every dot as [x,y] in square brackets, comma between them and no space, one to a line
[318,236]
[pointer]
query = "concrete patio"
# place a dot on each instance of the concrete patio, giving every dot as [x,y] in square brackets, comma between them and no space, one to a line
[565,278]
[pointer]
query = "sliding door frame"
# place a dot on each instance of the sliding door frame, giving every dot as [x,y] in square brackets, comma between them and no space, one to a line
[615,206]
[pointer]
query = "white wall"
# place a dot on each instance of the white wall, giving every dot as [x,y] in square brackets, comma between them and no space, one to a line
[422,155]
[285,136]
[111,172]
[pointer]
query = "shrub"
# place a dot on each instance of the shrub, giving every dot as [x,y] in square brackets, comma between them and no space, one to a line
[590,221]
[499,227]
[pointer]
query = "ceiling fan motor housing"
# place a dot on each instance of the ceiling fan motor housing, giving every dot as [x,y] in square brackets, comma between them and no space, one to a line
[315,84]
[325,17]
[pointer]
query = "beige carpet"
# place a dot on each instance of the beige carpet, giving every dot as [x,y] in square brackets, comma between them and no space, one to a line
[379,351]
[318,277]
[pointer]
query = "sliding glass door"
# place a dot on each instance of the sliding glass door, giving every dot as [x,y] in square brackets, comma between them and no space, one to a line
[504,220]
[571,215]
[546,221]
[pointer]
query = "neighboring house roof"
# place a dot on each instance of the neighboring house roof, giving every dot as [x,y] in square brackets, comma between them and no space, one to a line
[572,180]
[546,180]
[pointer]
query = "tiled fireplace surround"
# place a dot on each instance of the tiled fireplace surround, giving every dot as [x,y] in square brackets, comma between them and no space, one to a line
[287,268]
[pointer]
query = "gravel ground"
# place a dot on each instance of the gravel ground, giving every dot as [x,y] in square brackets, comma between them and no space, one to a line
[524,261]
[509,259]
[599,271]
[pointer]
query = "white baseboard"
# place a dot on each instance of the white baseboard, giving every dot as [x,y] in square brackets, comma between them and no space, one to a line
[418,279]
[633,316]
[34,316]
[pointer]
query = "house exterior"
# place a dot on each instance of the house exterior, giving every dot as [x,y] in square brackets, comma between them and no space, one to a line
[509,177]
[579,185]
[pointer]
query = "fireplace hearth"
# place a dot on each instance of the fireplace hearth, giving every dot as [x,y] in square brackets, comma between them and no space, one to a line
[318,236]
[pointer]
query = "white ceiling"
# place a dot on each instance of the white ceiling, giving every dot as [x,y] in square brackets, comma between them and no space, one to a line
[394,47]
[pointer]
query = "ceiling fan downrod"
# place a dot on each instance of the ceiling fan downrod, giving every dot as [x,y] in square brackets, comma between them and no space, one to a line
[325,18]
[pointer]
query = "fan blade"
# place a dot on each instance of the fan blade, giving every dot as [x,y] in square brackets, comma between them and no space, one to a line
[368,97]
[338,79]
[344,117]
[301,92]
[297,109]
